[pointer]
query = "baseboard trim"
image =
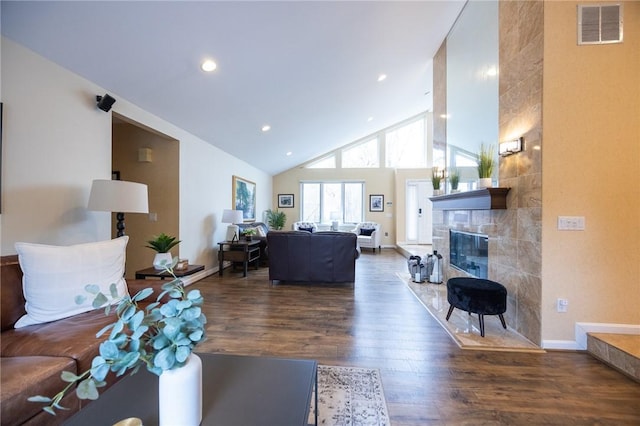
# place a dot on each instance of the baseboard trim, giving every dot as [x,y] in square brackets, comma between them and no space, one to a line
[581,330]
[560,345]
[190,279]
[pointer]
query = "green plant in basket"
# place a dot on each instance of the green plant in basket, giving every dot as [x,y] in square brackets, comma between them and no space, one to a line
[159,336]
[162,243]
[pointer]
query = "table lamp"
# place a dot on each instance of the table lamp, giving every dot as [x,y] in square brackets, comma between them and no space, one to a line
[118,196]
[232,217]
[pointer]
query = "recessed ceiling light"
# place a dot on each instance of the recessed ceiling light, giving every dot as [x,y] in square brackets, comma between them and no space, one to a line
[289,153]
[266,128]
[208,65]
[370,119]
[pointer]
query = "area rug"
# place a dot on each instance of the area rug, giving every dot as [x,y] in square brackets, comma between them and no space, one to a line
[350,396]
[464,328]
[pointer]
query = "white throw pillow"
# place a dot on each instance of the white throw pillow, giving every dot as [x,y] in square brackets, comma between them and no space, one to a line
[55,275]
[259,231]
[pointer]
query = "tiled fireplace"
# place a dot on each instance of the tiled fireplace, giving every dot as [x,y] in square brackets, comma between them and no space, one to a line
[514,234]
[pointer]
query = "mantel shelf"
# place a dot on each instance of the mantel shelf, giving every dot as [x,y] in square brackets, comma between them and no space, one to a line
[480,199]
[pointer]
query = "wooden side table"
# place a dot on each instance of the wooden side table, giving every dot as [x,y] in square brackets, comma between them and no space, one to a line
[243,252]
[154,273]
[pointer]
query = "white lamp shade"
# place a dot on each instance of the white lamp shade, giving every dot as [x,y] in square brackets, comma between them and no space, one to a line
[118,196]
[232,216]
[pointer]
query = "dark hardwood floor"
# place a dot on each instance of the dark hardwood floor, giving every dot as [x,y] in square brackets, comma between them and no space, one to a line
[427,379]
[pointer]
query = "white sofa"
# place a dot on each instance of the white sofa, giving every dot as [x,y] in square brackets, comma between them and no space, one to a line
[369,235]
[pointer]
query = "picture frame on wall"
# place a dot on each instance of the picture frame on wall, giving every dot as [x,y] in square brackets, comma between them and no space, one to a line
[376,203]
[244,198]
[285,201]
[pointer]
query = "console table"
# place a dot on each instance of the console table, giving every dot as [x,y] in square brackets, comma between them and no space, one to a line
[236,390]
[243,252]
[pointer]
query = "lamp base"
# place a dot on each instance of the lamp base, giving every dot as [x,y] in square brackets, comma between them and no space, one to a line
[232,232]
[120,224]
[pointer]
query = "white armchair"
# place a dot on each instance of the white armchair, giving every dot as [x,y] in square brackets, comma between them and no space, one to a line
[369,235]
[305,226]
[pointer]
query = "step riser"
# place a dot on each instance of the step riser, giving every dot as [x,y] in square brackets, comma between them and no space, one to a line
[622,361]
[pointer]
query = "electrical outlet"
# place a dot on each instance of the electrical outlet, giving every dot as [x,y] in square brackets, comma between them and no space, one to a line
[562,305]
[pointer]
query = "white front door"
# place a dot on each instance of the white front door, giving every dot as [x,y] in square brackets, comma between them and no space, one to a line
[418,212]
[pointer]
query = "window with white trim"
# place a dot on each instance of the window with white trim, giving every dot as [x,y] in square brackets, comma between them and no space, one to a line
[324,202]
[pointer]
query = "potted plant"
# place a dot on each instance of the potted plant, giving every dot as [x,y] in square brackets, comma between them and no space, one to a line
[454,179]
[276,219]
[160,337]
[436,178]
[248,233]
[486,164]
[162,244]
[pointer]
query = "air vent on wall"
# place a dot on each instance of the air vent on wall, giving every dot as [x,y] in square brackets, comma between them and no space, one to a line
[599,24]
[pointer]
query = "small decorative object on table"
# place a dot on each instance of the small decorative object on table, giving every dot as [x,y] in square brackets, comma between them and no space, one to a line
[162,244]
[182,265]
[248,233]
[160,336]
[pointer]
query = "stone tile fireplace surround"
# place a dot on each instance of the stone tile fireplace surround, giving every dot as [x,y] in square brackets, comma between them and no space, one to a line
[515,233]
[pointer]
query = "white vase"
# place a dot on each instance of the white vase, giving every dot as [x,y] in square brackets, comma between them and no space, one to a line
[161,260]
[180,394]
[484,183]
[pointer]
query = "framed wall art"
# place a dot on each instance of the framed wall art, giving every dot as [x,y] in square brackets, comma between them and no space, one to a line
[244,198]
[376,203]
[285,201]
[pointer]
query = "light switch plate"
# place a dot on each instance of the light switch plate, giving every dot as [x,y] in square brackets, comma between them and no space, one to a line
[571,223]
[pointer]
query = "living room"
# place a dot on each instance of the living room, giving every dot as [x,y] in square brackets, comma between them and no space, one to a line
[55,143]
[48,169]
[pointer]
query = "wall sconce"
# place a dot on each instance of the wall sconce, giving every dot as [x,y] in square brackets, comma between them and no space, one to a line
[511,147]
[145,155]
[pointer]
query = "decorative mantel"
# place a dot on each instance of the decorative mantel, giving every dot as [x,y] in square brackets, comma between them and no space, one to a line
[480,199]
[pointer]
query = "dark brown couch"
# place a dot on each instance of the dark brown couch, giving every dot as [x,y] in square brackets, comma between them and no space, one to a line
[33,357]
[322,257]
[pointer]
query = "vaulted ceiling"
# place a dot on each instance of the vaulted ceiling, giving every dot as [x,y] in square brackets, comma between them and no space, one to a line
[308,69]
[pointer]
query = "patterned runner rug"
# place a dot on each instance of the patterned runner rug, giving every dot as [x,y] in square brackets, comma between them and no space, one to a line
[350,396]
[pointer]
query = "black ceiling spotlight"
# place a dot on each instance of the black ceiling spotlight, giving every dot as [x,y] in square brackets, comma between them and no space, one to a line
[105,102]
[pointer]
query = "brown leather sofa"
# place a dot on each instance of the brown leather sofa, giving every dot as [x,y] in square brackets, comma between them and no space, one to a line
[33,357]
[322,257]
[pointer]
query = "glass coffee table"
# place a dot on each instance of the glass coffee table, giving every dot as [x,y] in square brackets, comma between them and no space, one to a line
[236,390]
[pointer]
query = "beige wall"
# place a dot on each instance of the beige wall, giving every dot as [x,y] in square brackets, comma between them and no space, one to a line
[377,181]
[161,176]
[56,142]
[591,164]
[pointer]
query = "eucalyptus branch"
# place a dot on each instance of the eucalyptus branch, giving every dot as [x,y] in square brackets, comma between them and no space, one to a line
[161,336]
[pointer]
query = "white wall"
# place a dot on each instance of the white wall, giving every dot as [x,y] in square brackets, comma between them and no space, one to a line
[56,142]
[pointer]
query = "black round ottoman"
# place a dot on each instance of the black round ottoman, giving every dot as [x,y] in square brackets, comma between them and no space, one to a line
[478,296]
